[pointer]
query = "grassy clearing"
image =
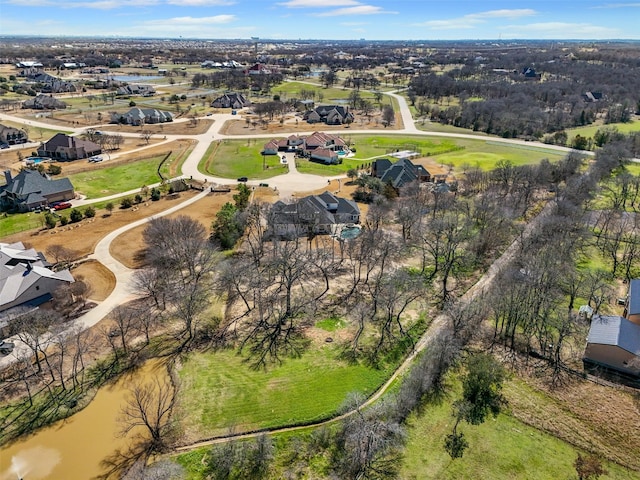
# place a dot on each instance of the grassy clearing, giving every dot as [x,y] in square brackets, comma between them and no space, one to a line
[11,223]
[112,180]
[516,450]
[590,131]
[220,391]
[240,158]
[485,154]
[292,90]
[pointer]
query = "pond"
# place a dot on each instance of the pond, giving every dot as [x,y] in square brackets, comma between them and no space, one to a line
[72,449]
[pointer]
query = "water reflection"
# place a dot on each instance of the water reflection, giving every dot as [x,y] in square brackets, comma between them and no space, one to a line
[72,449]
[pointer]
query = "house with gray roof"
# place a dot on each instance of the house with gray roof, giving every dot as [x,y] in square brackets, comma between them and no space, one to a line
[613,345]
[312,215]
[64,147]
[25,279]
[141,90]
[399,174]
[329,114]
[12,136]
[233,100]
[31,189]
[142,116]
[44,102]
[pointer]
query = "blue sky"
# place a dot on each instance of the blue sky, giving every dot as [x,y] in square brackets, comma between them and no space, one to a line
[325,19]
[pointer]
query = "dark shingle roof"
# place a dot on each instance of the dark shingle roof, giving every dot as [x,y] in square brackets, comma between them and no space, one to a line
[616,331]
[31,182]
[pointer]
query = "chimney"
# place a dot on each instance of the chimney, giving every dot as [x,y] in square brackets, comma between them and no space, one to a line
[7,176]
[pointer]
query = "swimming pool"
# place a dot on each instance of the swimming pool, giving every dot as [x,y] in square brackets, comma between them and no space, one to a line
[36,160]
[348,233]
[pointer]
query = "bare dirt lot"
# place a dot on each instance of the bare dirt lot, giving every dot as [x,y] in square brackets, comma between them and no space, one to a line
[100,279]
[128,247]
[196,127]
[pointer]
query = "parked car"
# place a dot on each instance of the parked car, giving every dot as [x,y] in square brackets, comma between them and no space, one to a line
[243,179]
[264,184]
[62,206]
[4,145]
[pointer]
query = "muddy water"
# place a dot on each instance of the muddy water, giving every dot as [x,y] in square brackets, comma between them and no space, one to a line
[72,449]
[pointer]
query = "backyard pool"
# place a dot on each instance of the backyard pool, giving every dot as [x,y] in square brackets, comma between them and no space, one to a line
[35,160]
[350,232]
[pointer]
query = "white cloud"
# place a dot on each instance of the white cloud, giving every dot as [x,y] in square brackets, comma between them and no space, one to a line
[560,30]
[183,21]
[504,13]
[318,3]
[474,19]
[358,10]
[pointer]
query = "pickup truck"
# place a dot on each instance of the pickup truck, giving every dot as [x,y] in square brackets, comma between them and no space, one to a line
[62,206]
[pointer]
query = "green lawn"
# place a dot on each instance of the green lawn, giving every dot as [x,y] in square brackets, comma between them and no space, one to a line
[118,179]
[292,90]
[590,130]
[237,158]
[486,153]
[11,223]
[219,390]
[501,448]
[240,158]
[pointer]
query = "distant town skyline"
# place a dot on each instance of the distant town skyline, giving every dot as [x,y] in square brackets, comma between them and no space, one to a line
[324,19]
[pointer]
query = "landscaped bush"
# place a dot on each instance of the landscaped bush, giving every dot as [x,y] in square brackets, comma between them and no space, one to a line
[89,212]
[155,194]
[50,220]
[63,220]
[126,203]
[137,198]
[75,216]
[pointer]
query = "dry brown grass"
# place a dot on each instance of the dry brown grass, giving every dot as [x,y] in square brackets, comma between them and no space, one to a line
[171,128]
[128,248]
[100,279]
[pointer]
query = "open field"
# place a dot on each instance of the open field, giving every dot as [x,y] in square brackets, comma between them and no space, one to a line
[516,450]
[240,158]
[220,391]
[121,178]
[590,131]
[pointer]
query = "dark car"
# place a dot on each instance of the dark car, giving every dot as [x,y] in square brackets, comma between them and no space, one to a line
[243,179]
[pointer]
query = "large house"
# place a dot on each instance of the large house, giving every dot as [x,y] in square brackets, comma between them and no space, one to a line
[329,114]
[398,174]
[63,147]
[319,146]
[44,102]
[315,214]
[12,136]
[231,100]
[31,189]
[140,90]
[25,279]
[46,83]
[613,344]
[142,116]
